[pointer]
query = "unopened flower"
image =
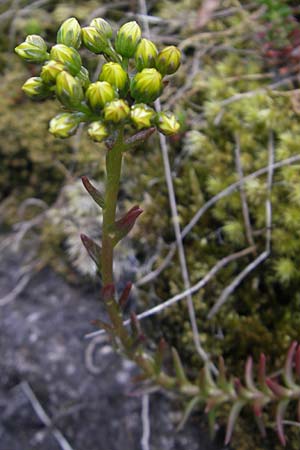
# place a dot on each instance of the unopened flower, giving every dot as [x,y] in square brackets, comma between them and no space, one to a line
[145,55]
[141,115]
[68,89]
[69,33]
[65,125]
[83,77]
[102,27]
[68,56]
[167,123]
[97,131]
[100,93]
[93,40]
[116,111]
[146,86]
[127,39]
[34,49]
[115,75]
[35,88]
[168,60]
[50,70]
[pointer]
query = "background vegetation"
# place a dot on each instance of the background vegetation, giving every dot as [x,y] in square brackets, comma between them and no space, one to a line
[237,97]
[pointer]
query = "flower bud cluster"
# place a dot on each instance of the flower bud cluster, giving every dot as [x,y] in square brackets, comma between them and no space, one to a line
[130,79]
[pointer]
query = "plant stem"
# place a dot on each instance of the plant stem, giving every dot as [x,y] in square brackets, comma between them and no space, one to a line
[113,173]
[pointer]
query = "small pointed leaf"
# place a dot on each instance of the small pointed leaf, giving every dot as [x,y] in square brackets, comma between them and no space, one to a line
[233,416]
[261,425]
[123,226]
[101,324]
[139,137]
[159,355]
[277,389]
[222,373]
[125,295]
[262,371]
[249,375]
[280,412]
[94,193]
[179,370]
[187,412]
[288,368]
[93,249]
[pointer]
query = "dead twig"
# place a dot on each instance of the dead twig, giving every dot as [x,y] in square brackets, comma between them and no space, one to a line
[245,208]
[43,416]
[235,283]
[242,275]
[233,187]
[21,285]
[145,441]
[173,205]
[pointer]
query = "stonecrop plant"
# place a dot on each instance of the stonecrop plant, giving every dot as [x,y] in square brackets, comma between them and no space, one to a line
[119,109]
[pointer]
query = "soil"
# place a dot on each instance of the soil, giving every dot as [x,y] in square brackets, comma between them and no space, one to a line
[83,388]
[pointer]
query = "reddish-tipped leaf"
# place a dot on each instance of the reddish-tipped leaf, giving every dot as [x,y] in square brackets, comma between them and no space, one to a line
[93,249]
[94,193]
[125,295]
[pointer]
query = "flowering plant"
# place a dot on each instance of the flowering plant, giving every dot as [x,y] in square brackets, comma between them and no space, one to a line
[118,109]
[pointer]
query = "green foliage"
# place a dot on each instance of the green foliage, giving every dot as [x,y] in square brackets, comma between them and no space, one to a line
[262,314]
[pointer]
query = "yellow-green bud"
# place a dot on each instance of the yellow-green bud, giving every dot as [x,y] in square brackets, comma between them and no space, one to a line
[141,115]
[83,77]
[127,39]
[65,125]
[69,33]
[102,26]
[167,123]
[145,55]
[116,111]
[68,56]
[68,89]
[50,70]
[93,40]
[146,86]
[99,93]
[98,131]
[35,88]
[115,75]
[34,49]
[168,60]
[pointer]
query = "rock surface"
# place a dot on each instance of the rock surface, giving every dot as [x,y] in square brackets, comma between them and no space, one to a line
[82,387]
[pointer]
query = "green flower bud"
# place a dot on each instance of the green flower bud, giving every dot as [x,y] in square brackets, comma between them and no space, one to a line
[83,77]
[167,123]
[94,41]
[168,60]
[34,49]
[68,56]
[102,26]
[65,125]
[141,115]
[99,93]
[146,86]
[98,131]
[68,90]
[35,88]
[69,33]
[50,70]
[115,75]
[127,39]
[145,55]
[116,111]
